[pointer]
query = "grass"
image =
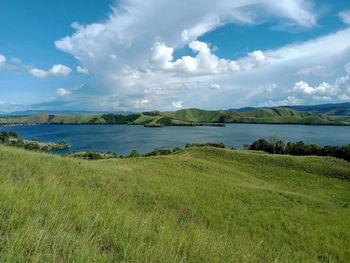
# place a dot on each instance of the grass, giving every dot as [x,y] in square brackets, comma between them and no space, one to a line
[197,205]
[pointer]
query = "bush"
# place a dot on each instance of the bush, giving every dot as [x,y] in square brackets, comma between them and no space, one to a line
[6,135]
[134,153]
[261,145]
[158,152]
[165,121]
[278,146]
[120,118]
[151,113]
[217,145]
[176,149]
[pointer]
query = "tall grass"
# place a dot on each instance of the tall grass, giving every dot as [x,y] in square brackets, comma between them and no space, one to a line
[197,205]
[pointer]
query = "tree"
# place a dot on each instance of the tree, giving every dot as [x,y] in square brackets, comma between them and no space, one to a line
[278,145]
[134,153]
[261,145]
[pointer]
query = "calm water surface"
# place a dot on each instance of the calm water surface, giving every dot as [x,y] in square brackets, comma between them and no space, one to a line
[125,138]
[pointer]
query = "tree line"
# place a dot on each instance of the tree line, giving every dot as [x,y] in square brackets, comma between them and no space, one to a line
[277,145]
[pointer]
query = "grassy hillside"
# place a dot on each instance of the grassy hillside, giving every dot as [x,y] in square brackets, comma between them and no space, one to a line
[338,109]
[198,205]
[185,117]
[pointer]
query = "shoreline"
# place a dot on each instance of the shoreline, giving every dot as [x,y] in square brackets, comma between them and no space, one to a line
[181,125]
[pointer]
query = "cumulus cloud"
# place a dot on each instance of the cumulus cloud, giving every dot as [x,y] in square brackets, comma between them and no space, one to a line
[340,89]
[322,90]
[125,55]
[345,16]
[258,57]
[177,104]
[38,73]
[82,70]
[63,92]
[56,70]
[204,63]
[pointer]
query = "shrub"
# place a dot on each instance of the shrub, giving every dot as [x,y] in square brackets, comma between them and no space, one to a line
[134,153]
[278,146]
[217,145]
[165,121]
[120,118]
[261,145]
[158,152]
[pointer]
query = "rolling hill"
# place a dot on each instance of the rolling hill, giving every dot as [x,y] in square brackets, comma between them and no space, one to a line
[197,205]
[338,109]
[185,117]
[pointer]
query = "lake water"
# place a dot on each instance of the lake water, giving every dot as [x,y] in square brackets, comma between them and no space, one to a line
[125,138]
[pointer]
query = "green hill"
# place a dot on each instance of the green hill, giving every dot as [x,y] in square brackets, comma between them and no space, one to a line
[185,117]
[198,205]
[333,109]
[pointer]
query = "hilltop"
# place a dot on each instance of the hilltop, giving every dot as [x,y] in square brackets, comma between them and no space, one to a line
[332,109]
[197,205]
[185,117]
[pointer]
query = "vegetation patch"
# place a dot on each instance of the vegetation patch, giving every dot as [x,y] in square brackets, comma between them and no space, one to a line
[12,138]
[278,146]
[199,204]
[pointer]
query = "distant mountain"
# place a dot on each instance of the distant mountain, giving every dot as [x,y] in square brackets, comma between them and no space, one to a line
[338,109]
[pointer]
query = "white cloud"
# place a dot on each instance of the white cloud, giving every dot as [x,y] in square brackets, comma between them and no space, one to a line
[315,70]
[323,89]
[215,86]
[259,58]
[140,103]
[56,70]
[204,63]
[289,101]
[82,70]
[340,89]
[177,104]
[63,92]
[59,70]
[38,73]
[2,60]
[137,69]
[345,16]
[118,45]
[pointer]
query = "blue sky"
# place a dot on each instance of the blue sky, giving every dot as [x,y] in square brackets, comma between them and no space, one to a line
[167,55]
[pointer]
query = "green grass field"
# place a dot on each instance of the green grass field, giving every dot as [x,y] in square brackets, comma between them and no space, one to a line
[198,205]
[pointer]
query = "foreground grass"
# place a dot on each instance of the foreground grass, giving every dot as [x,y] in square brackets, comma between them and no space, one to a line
[199,205]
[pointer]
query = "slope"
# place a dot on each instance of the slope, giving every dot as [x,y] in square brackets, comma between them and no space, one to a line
[199,205]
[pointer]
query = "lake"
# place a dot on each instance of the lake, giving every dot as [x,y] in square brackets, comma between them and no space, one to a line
[125,138]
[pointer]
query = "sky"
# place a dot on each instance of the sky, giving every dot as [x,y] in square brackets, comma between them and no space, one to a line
[136,55]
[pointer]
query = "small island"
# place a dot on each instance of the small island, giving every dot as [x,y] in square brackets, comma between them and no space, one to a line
[12,138]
